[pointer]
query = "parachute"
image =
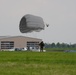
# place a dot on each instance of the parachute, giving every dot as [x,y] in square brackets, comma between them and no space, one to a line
[30,23]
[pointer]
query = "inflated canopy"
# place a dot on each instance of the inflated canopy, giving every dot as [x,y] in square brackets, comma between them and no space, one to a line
[31,23]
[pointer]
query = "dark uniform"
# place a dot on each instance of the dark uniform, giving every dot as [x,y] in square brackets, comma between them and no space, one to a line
[41,46]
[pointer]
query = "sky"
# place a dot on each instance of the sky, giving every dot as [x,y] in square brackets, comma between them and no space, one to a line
[59,14]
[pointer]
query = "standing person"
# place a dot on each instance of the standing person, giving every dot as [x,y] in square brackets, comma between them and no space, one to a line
[41,46]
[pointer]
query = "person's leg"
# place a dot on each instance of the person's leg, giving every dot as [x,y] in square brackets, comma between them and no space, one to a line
[41,49]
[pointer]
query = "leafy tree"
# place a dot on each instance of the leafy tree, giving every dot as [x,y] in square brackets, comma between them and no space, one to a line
[53,45]
[58,45]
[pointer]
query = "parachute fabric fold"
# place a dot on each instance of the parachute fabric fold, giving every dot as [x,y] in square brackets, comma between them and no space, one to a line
[30,23]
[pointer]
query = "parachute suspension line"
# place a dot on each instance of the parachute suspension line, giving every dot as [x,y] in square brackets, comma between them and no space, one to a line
[35,35]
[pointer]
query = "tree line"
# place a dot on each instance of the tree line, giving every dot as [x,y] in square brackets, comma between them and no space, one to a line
[59,45]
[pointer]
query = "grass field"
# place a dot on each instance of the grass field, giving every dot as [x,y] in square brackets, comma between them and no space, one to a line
[59,49]
[37,63]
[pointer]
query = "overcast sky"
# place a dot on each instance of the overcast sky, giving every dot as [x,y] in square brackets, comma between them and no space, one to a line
[59,14]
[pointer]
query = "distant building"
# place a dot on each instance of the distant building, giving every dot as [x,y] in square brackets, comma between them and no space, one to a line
[9,42]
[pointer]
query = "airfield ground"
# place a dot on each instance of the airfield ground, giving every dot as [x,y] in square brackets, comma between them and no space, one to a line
[37,63]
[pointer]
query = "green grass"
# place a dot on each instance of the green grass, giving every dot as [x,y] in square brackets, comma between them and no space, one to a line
[37,63]
[58,49]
